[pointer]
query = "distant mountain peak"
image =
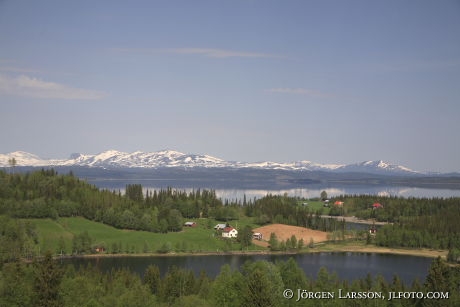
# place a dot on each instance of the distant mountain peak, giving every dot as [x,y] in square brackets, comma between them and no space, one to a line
[74,155]
[168,158]
[378,166]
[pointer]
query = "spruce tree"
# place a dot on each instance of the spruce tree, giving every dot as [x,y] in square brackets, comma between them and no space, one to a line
[48,277]
[152,278]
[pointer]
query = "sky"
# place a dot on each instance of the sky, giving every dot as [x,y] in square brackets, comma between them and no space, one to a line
[243,80]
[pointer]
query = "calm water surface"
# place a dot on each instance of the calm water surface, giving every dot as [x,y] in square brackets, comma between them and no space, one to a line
[307,192]
[348,266]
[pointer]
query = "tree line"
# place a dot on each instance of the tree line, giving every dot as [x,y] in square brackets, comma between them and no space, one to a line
[46,194]
[414,222]
[284,209]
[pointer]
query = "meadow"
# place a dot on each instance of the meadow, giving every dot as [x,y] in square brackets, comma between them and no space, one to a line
[314,206]
[58,234]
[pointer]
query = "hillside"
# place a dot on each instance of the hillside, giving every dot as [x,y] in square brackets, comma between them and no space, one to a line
[114,241]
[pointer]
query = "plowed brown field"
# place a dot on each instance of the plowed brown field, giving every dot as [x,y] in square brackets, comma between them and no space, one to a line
[284,232]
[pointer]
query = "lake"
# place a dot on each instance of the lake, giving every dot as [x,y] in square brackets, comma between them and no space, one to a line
[312,191]
[348,266]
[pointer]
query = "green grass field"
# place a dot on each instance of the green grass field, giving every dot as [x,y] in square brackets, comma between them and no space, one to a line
[315,205]
[201,238]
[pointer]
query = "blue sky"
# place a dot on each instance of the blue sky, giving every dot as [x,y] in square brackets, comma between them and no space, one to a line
[252,80]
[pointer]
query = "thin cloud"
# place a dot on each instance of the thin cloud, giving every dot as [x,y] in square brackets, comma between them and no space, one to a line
[36,88]
[300,91]
[206,52]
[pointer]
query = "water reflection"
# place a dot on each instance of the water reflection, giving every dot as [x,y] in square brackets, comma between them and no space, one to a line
[232,194]
[332,192]
[348,266]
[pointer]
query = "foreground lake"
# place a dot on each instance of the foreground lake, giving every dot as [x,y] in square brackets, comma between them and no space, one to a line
[348,266]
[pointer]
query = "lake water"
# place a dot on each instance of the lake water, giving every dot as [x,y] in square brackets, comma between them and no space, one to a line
[331,192]
[307,192]
[348,266]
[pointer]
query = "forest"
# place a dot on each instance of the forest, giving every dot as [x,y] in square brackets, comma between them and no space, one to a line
[259,283]
[45,194]
[413,222]
[41,281]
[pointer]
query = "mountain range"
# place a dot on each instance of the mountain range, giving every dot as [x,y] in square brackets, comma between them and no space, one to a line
[113,159]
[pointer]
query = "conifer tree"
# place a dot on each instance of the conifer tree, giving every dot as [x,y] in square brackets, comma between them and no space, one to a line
[437,279]
[152,278]
[273,242]
[48,277]
[264,285]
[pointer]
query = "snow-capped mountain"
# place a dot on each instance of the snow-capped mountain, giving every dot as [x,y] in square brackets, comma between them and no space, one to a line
[164,158]
[376,167]
[23,159]
[118,159]
[170,158]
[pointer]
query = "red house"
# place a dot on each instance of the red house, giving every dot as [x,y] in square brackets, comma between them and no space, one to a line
[377,206]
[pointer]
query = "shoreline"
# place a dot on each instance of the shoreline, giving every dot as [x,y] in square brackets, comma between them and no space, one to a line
[358,248]
[320,248]
[355,220]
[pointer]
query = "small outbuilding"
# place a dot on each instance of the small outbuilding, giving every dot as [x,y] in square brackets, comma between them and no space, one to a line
[220,226]
[373,230]
[257,236]
[190,224]
[98,249]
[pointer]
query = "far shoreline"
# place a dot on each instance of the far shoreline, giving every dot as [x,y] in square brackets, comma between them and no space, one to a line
[320,248]
[361,248]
